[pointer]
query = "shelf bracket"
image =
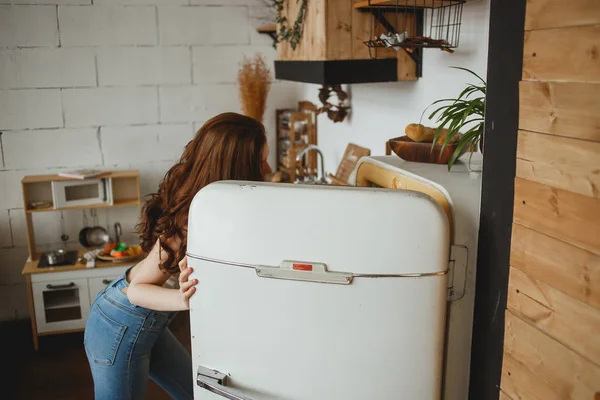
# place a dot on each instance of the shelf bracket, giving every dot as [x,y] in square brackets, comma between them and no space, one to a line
[417,53]
[270,30]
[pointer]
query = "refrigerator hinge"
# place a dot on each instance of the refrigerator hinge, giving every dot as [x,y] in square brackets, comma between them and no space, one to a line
[457,272]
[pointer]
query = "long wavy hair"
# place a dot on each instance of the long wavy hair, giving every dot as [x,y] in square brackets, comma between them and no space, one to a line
[227,147]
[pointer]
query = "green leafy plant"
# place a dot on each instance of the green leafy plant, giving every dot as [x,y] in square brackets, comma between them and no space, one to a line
[293,34]
[465,112]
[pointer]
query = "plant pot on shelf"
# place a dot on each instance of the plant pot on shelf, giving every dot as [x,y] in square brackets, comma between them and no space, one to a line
[465,113]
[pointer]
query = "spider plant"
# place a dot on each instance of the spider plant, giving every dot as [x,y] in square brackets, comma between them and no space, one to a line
[466,112]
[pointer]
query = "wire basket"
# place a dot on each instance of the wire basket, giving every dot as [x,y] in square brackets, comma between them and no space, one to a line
[414,24]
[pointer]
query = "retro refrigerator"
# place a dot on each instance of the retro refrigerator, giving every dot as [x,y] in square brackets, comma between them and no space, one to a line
[310,292]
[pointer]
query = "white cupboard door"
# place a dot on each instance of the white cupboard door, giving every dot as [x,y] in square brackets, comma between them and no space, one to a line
[61,305]
[96,285]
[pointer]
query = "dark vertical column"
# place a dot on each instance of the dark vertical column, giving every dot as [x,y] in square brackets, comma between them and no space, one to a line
[505,61]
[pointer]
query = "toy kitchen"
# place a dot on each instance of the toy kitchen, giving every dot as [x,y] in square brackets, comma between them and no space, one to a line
[62,283]
[373,299]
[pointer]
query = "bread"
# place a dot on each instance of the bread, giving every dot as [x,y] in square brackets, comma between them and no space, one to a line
[442,138]
[419,133]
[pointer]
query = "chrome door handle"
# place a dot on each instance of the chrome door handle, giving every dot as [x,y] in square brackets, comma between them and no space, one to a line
[216,382]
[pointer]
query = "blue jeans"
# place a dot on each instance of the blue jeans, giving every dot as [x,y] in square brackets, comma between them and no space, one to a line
[126,344]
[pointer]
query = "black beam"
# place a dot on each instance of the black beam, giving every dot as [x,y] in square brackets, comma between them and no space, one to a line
[505,61]
[338,71]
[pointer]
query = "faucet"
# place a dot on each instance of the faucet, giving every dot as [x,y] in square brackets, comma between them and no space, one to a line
[319,179]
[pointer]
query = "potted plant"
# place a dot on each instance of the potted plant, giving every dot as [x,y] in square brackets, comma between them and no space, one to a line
[466,113]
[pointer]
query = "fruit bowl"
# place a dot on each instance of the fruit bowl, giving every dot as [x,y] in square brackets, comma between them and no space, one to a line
[119,252]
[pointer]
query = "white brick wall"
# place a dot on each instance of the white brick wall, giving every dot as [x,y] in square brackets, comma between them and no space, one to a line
[48,2]
[51,148]
[198,102]
[5,231]
[110,106]
[143,2]
[107,26]
[143,65]
[24,26]
[117,84]
[152,143]
[27,109]
[204,25]
[62,68]
[221,64]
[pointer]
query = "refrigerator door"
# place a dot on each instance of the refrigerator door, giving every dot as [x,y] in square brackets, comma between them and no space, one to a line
[311,292]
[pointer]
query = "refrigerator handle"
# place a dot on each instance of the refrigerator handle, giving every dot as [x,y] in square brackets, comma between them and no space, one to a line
[216,382]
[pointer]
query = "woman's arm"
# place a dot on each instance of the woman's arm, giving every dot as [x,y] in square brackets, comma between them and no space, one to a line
[145,288]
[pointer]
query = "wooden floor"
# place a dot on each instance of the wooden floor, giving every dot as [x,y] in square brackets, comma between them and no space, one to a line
[59,370]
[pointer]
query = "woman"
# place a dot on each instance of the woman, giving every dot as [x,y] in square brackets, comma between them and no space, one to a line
[126,337]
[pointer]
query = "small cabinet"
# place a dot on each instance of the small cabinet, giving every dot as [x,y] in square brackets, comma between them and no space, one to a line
[96,285]
[61,305]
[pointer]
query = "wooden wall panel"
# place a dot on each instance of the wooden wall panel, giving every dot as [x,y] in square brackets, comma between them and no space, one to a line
[339,35]
[504,396]
[572,323]
[569,374]
[567,216]
[552,326]
[544,14]
[560,108]
[565,267]
[567,54]
[363,24]
[312,46]
[563,163]
[519,382]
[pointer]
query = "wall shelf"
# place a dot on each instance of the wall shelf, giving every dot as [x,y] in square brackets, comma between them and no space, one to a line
[270,30]
[367,4]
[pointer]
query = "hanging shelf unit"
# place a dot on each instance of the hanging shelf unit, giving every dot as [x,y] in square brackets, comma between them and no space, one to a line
[412,25]
[366,41]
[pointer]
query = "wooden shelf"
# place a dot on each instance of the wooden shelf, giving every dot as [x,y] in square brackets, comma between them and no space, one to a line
[406,3]
[117,203]
[271,28]
[56,177]
[31,266]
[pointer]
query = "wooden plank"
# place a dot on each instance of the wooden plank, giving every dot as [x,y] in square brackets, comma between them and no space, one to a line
[339,29]
[393,3]
[567,268]
[566,54]
[563,163]
[34,333]
[31,266]
[56,177]
[519,382]
[544,14]
[271,28]
[312,44]
[504,396]
[365,27]
[571,375]
[567,216]
[573,323]
[560,108]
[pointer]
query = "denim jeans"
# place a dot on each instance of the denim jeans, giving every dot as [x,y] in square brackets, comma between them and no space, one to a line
[126,345]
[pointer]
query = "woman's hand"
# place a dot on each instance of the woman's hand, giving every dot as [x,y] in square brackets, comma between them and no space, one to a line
[186,286]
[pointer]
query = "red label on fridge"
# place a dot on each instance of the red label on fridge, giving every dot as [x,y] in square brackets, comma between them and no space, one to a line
[302,267]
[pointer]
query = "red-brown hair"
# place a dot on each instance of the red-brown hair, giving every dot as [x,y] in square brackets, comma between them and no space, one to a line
[227,147]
